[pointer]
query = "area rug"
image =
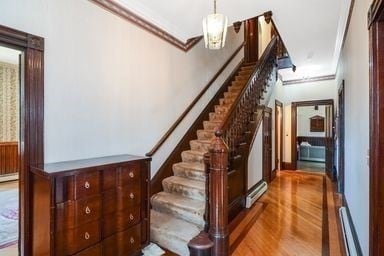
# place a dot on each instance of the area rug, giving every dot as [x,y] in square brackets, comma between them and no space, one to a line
[9,217]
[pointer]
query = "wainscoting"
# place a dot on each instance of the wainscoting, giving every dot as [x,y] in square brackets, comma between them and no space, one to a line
[9,158]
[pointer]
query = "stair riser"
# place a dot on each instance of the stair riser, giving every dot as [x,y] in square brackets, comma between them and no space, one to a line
[199,146]
[184,214]
[245,72]
[189,192]
[241,78]
[190,174]
[226,101]
[230,95]
[209,125]
[234,89]
[171,243]
[216,117]
[191,158]
[221,109]
[205,135]
[238,83]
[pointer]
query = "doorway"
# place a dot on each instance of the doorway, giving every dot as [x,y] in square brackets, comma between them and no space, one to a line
[31,120]
[10,68]
[312,144]
[278,135]
[340,134]
[268,175]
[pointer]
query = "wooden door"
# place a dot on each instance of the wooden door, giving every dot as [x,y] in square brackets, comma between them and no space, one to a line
[251,39]
[267,145]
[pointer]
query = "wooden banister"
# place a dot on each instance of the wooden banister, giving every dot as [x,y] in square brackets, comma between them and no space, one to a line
[240,110]
[193,103]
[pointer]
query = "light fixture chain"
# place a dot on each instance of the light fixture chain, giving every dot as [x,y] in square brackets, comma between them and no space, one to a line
[214,6]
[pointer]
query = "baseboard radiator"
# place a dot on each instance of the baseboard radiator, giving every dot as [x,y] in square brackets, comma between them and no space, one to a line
[255,194]
[349,242]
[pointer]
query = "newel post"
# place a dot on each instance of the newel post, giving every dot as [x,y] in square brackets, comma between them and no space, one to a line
[218,196]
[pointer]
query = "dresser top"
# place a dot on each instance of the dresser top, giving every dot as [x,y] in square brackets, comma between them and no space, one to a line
[68,167]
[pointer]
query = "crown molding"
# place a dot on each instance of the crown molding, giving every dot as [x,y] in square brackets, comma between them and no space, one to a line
[309,80]
[128,15]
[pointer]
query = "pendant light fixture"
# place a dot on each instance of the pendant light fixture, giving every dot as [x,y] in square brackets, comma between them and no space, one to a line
[215,30]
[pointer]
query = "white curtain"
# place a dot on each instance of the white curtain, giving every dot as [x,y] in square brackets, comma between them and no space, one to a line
[9,102]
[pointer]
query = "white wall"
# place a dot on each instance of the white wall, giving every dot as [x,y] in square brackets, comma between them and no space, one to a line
[255,160]
[301,92]
[354,69]
[264,30]
[111,87]
[303,120]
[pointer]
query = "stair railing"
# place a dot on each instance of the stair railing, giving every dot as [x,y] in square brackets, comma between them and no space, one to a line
[224,148]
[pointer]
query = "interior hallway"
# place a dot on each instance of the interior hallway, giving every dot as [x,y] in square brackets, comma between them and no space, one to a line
[291,218]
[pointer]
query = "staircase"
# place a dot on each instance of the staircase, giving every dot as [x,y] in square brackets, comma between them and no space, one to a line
[177,213]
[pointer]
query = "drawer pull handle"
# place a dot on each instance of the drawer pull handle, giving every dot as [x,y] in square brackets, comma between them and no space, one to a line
[132,240]
[87,210]
[131,216]
[131,174]
[87,185]
[131,195]
[86,236]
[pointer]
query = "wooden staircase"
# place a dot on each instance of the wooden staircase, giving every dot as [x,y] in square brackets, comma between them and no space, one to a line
[178,212]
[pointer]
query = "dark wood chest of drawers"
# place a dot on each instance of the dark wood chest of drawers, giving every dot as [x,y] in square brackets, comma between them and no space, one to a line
[96,206]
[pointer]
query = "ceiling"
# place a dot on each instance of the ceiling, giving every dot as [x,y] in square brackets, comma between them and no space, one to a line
[312,30]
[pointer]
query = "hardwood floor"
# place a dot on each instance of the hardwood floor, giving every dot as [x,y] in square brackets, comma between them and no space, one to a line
[288,219]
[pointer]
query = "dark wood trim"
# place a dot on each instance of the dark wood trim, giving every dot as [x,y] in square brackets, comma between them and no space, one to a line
[267,144]
[166,168]
[376,123]
[325,224]
[375,12]
[128,15]
[294,124]
[309,80]
[9,158]
[193,103]
[287,166]
[277,105]
[31,120]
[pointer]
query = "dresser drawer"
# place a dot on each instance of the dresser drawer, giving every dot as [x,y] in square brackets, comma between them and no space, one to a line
[74,240]
[84,184]
[92,251]
[124,243]
[129,174]
[71,214]
[120,220]
[121,198]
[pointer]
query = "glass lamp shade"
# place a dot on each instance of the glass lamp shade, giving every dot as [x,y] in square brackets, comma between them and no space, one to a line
[215,31]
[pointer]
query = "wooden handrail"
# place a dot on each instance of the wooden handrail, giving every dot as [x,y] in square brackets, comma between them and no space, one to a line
[193,103]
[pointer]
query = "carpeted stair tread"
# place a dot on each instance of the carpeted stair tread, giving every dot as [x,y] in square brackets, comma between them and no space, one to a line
[183,186]
[206,134]
[211,125]
[216,117]
[200,145]
[192,156]
[194,171]
[183,208]
[172,233]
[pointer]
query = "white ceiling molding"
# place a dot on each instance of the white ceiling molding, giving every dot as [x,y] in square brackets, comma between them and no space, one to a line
[312,30]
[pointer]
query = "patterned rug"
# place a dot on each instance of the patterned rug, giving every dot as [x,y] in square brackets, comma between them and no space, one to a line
[9,217]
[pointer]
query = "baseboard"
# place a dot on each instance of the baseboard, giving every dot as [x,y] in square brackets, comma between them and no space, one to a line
[352,225]
[287,166]
[9,177]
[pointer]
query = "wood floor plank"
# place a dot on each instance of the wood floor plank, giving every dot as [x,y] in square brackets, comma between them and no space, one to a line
[291,221]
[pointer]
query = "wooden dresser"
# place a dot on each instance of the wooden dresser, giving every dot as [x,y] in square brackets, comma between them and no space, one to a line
[96,206]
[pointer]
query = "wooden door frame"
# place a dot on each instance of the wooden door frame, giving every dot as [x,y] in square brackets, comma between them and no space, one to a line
[294,107]
[341,137]
[277,105]
[376,123]
[267,177]
[31,120]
